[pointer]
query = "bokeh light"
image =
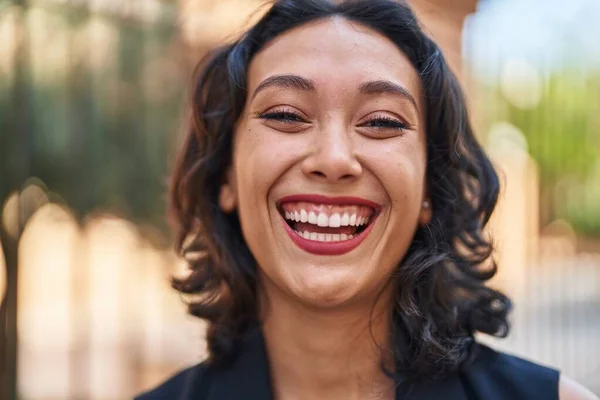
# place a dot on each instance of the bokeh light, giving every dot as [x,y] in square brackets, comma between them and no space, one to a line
[46,260]
[521,84]
[2,273]
[11,217]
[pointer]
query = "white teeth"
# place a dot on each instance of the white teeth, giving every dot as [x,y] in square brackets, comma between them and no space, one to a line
[323,220]
[352,219]
[303,216]
[345,219]
[335,221]
[359,221]
[324,237]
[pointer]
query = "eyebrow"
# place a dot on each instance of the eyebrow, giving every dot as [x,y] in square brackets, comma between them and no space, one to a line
[387,87]
[296,82]
[286,82]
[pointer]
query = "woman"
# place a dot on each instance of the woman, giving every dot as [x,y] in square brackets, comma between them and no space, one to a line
[331,197]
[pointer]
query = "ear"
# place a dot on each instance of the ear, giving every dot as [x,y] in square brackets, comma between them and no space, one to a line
[426,212]
[228,194]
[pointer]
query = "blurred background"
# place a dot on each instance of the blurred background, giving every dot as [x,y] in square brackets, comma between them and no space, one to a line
[91,102]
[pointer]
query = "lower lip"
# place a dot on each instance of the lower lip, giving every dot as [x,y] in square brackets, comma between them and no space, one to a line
[328,248]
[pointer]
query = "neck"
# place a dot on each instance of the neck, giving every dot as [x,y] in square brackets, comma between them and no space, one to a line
[327,354]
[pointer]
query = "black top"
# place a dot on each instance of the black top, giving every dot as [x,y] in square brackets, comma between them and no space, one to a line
[491,376]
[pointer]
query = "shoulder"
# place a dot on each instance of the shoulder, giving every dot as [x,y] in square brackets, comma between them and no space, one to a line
[571,390]
[507,364]
[178,386]
[497,375]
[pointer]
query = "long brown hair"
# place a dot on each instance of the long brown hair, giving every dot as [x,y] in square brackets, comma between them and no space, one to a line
[440,297]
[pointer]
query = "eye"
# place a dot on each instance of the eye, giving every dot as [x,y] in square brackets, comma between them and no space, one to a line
[285,116]
[385,122]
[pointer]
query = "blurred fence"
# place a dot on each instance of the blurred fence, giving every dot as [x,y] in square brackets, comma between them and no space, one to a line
[536,107]
[94,304]
[556,320]
[90,97]
[96,317]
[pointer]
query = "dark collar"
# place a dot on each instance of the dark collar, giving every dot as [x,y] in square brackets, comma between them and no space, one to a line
[248,378]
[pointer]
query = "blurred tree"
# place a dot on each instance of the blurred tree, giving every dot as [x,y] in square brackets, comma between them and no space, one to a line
[15,166]
[563,135]
[99,128]
[89,104]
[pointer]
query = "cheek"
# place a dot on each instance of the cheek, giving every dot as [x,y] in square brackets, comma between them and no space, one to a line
[261,157]
[251,161]
[401,168]
[405,185]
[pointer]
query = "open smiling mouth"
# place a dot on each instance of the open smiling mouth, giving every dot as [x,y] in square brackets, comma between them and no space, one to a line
[327,226]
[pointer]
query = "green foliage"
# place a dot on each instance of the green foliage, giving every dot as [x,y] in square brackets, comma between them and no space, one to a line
[97,129]
[99,120]
[563,136]
[562,130]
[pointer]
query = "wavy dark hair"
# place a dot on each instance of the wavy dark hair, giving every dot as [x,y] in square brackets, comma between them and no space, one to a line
[440,297]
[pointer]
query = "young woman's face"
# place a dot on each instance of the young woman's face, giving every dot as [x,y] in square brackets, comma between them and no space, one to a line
[328,173]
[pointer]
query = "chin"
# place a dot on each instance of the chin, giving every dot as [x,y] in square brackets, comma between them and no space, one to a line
[326,289]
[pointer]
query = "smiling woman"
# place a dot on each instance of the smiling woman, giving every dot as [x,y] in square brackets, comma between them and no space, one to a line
[330,197]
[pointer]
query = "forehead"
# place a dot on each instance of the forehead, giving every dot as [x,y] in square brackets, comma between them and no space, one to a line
[335,52]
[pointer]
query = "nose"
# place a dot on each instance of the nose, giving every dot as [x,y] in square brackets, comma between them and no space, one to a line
[333,157]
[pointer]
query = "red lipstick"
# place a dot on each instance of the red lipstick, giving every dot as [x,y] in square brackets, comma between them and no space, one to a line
[339,200]
[329,248]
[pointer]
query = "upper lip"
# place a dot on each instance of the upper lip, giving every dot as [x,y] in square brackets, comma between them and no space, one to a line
[336,200]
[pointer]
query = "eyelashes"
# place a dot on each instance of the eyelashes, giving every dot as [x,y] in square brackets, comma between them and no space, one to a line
[285,116]
[385,122]
[292,117]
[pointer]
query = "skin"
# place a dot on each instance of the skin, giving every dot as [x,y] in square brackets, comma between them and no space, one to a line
[316,309]
[332,153]
[571,390]
[322,314]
